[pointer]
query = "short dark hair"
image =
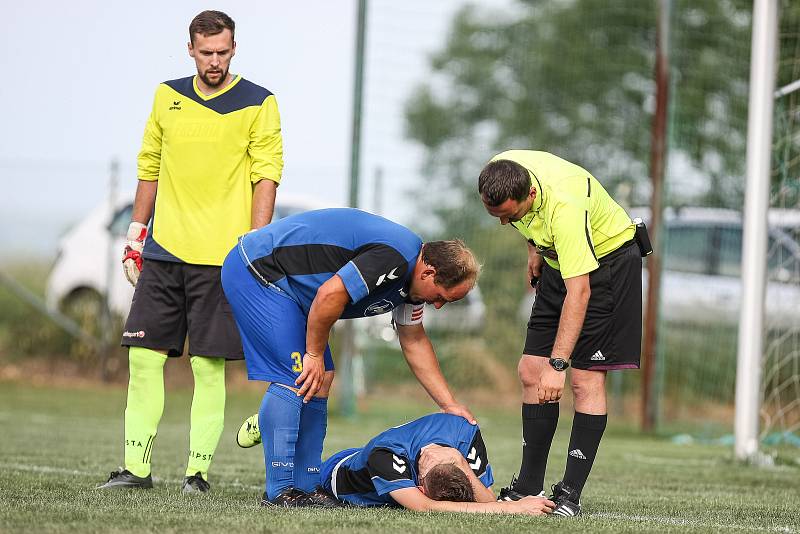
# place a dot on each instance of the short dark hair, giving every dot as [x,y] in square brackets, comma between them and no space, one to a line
[453,261]
[211,22]
[446,482]
[503,179]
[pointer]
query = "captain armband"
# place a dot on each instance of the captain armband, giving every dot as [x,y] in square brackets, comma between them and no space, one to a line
[408,314]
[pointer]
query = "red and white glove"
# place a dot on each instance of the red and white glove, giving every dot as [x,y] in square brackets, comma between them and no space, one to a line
[132,260]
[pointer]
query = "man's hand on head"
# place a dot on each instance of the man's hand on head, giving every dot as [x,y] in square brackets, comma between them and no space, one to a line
[460,409]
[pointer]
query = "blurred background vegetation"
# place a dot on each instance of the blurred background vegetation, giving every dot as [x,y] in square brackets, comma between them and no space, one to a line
[576,78]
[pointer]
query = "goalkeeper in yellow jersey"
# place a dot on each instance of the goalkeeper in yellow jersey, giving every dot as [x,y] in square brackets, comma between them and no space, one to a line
[212,150]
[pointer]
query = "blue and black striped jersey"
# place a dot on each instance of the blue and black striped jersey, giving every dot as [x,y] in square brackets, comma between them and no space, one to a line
[389,461]
[374,257]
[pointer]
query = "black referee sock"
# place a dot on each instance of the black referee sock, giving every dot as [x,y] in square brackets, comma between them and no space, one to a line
[587,431]
[539,423]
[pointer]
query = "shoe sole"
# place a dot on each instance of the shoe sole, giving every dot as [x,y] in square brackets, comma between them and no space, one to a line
[193,491]
[123,486]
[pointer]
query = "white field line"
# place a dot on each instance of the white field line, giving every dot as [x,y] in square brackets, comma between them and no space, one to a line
[32,468]
[688,462]
[680,521]
[660,460]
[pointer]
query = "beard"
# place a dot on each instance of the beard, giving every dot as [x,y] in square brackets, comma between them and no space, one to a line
[213,83]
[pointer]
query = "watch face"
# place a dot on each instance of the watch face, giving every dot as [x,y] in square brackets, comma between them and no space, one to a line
[558,364]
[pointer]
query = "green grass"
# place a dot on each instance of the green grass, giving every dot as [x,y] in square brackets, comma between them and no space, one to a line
[57,444]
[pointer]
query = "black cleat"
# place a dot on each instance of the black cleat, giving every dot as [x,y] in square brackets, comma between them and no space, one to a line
[125,479]
[195,484]
[288,498]
[320,498]
[568,501]
[509,493]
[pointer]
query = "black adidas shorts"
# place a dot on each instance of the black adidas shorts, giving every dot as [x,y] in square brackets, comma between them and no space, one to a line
[612,330]
[173,299]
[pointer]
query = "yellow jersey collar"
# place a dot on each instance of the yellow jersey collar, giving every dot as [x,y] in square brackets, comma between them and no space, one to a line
[222,91]
[538,202]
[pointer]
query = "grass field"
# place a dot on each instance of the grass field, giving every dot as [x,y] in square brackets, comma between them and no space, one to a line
[57,444]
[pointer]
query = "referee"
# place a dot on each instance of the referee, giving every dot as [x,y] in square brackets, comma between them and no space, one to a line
[588,308]
[212,150]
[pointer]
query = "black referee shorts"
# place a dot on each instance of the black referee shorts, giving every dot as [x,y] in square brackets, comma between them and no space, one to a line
[173,299]
[612,330]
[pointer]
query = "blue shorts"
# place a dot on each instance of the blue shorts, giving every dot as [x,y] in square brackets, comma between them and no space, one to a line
[272,325]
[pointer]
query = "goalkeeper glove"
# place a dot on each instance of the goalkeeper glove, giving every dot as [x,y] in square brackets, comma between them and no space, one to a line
[132,260]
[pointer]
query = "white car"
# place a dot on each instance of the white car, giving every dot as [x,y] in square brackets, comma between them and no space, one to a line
[702,261]
[90,259]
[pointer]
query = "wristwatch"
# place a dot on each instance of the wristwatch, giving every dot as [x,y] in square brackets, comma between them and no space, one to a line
[559,364]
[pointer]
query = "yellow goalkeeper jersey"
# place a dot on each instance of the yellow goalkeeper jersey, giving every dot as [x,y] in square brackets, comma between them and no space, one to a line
[573,220]
[207,152]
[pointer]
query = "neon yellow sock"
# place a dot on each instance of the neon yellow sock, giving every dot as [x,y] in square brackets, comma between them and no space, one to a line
[208,412]
[144,408]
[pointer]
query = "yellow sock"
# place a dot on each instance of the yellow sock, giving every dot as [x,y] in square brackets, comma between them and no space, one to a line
[144,409]
[208,412]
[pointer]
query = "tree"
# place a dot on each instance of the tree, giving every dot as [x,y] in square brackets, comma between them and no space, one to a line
[576,78]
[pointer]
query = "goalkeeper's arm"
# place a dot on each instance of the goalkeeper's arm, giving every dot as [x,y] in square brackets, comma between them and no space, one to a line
[137,231]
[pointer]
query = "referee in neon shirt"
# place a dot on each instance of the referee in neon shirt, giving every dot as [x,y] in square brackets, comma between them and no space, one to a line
[588,309]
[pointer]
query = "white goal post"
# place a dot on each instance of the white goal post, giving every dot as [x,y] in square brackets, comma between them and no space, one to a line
[763,65]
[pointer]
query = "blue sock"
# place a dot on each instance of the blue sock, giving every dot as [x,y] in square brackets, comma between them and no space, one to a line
[308,458]
[279,421]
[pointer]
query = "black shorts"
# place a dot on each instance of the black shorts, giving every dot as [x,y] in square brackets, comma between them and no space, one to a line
[611,336]
[172,299]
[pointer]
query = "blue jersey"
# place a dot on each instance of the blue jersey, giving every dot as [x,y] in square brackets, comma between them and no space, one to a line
[389,462]
[374,257]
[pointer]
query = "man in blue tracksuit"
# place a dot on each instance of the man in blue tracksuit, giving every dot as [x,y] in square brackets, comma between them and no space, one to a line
[290,281]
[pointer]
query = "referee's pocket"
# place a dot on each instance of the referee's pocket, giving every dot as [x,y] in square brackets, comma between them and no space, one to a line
[601,299]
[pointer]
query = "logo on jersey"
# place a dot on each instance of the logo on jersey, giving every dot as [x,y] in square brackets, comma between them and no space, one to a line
[388,276]
[377,308]
[176,104]
[398,464]
[475,461]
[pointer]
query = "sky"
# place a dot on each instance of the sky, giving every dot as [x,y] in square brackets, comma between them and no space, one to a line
[81,77]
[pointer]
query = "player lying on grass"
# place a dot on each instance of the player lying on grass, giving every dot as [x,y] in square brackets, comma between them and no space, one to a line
[435,463]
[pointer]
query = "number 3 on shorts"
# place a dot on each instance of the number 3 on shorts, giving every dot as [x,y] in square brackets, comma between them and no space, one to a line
[298,362]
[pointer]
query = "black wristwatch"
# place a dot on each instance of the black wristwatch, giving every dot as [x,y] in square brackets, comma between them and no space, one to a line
[559,364]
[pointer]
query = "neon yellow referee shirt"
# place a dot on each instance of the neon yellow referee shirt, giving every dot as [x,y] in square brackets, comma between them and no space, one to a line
[207,152]
[573,220]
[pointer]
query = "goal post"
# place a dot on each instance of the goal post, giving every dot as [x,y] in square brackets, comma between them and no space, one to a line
[763,62]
